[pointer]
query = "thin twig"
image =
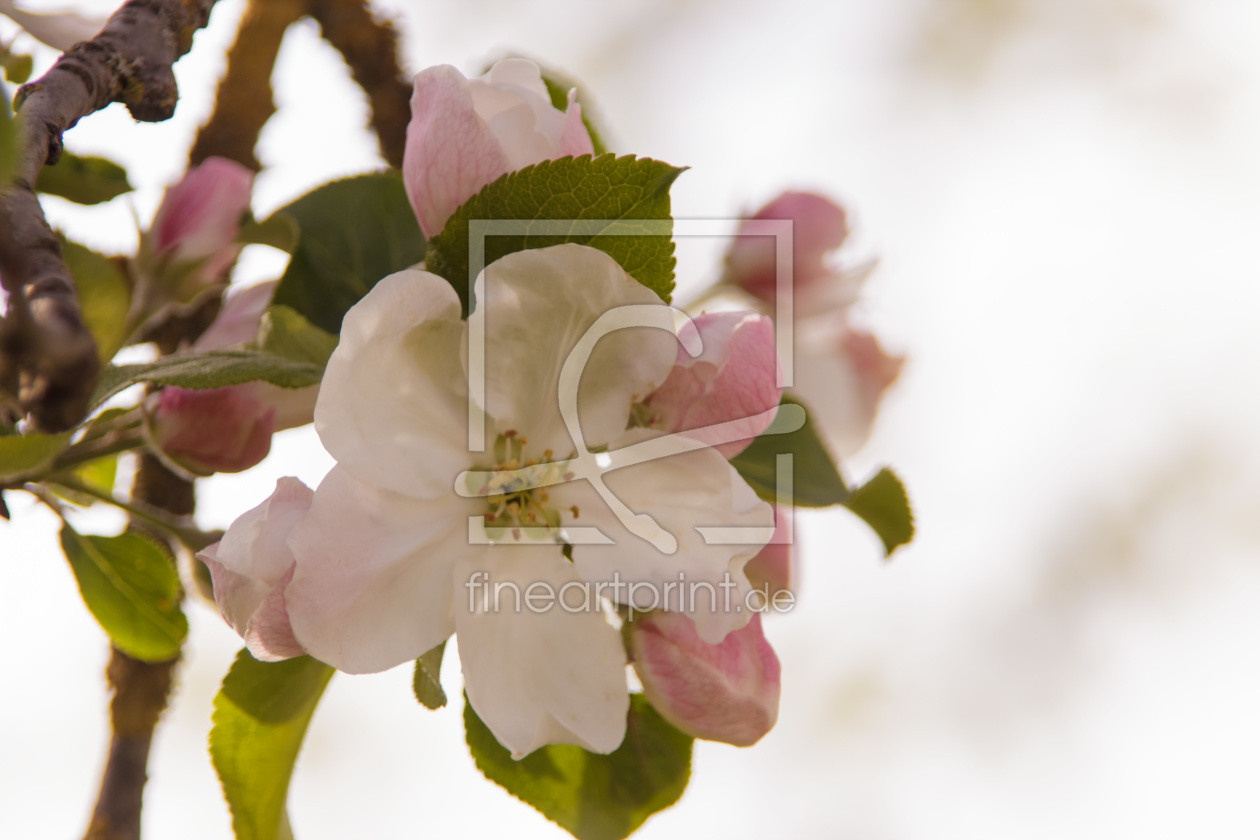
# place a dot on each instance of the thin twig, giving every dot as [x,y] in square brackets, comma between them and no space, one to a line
[44,337]
[179,527]
[370,48]
[141,689]
[244,103]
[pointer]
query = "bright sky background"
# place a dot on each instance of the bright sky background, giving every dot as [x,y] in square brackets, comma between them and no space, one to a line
[1059,193]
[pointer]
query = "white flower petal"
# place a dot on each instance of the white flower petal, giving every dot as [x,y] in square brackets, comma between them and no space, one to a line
[538,676]
[514,102]
[248,563]
[520,73]
[372,587]
[61,31]
[538,304]
[681,493]
[392,407]
[251,567]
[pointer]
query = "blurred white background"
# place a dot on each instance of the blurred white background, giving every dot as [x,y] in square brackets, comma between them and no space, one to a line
[1059,193]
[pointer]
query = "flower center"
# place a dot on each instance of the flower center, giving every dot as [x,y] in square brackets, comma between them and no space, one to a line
[517,508]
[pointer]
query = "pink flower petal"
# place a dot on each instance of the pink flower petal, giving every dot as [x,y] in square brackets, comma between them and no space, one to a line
[771,570]
[451,152]
[200,216]
[238,320]
[726,692]
[214,430]
[270,635]
[735,378]
[576,140]
[843,374]
[819,226]
[465,134]
[252,566]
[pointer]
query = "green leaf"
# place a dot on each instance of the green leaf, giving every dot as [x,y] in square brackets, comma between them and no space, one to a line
[426,683]
[883,504]
[592,796]
[22,455]
[279,231]
[8,138]
[83,179]
[574,200]
[261,714]
[17,66]
[104,295]
[285,333]
[99,475]
[815,480]
[353,233]
[130,586]
[210,370]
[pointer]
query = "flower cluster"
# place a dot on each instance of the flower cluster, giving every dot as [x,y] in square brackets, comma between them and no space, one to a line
[397,548]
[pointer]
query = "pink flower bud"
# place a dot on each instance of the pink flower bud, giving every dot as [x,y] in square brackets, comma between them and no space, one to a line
[251,567]
[735,378]
[200,216]
[843,373]
[238,318]
[465,133]
[771,570]
[237,324]
[213,430]
[725,692]
[818,226]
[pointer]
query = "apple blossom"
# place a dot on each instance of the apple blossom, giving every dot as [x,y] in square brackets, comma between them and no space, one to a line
[200,217]
[465,133]
[719,692]
[390,560]
[252,565]
[841,372]
[228,429]
[819,226]
[735,377]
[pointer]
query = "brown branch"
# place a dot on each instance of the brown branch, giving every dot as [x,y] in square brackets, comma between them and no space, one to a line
[370,48]
[244,103]
[140,693]
[130,61]
[141,689]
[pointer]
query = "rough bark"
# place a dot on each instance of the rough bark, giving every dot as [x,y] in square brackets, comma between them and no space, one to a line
[49,355]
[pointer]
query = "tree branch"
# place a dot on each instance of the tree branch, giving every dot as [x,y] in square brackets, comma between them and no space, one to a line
[45,341]
[140,694]
[141,689]
[244,103]
[370,47]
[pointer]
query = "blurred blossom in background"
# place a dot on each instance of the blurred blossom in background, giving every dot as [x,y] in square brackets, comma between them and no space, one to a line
[1061,195]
